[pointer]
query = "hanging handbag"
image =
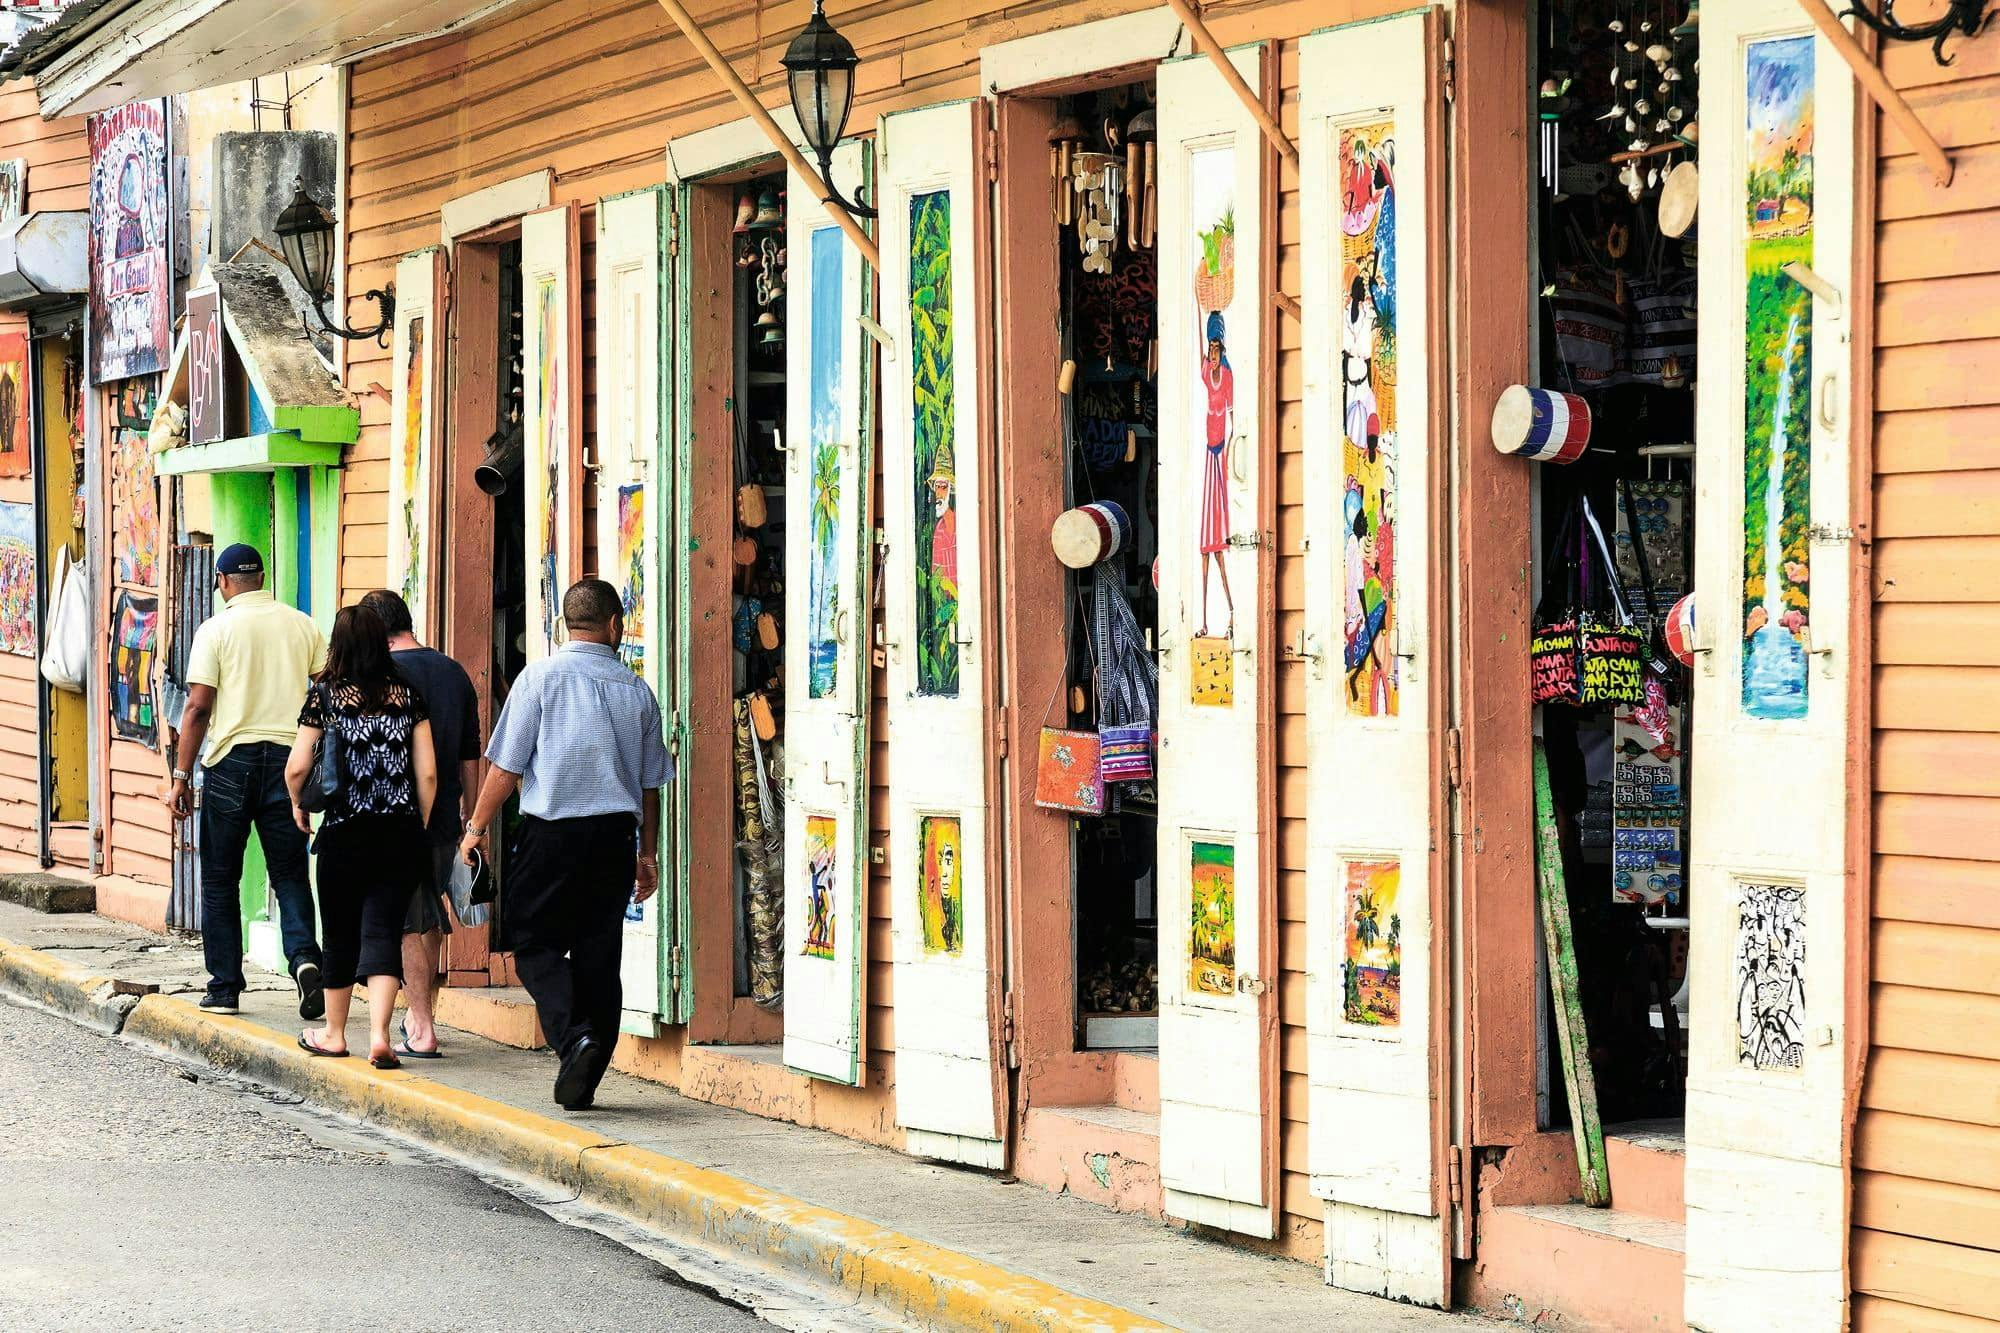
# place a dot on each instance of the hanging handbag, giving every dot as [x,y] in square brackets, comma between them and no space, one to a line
[329,769]
[1610,650]
[1128,685]
[1552,641]
[66,649]
[471,889]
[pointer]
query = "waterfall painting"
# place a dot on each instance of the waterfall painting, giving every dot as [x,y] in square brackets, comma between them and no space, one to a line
[1777,407]
[823,579]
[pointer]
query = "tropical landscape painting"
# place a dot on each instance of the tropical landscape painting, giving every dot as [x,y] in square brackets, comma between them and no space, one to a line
[1372,981]
[1777,408]
[822,574]
[1212,921]
[631,574]
[935,425]
[821,909]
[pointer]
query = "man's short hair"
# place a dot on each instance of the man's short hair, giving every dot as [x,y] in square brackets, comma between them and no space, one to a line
[395,612]
[591,604]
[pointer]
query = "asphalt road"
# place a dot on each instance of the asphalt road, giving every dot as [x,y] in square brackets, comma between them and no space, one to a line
[134,1195]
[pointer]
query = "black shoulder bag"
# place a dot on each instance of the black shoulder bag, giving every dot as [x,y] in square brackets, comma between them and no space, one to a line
[329,770]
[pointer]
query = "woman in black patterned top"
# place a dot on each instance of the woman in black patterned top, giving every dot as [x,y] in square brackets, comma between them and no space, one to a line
[371,840]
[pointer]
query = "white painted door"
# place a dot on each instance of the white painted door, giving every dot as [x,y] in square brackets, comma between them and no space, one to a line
[943,910]
[1766,1193]
[551,418]
[828,438]
[633,493]
[1371,457]
[1215,1149]
[416,351]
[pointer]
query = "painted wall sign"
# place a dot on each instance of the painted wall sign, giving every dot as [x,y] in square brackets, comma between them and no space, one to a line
[935,418]
[135,627]
[822,907]
[1212,922]
[1367,186]
[941,906]
[131,287]
[1771,976]
[1777,396]
[16,406]
[204,366]
[1372,956]
[823,586]
[17,579]
[629,575]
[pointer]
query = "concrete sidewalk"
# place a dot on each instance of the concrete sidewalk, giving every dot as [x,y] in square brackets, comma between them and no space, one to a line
[925,1244]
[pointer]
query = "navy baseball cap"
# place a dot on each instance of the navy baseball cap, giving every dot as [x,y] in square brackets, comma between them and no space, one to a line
[240,558]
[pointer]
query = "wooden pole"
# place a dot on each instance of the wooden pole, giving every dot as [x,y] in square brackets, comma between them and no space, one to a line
[1876,84]
[1204,39]
[1571,1039]
[779,140]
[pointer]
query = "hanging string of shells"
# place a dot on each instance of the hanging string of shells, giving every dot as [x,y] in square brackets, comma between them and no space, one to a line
[1649,70]
[1104,177]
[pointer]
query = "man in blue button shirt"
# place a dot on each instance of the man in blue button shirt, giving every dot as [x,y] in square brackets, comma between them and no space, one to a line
[580,734]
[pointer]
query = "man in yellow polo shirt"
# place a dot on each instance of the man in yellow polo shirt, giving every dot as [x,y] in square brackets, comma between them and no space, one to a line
[247,676]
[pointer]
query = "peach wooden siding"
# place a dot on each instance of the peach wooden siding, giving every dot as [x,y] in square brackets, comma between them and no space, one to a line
[595,94]
[1926,1240]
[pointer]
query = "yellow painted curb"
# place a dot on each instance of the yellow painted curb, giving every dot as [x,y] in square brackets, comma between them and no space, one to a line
[67,988]
[909,1278]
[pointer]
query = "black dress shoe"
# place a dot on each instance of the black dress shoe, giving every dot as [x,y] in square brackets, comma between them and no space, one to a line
[574,1084]
[312,995]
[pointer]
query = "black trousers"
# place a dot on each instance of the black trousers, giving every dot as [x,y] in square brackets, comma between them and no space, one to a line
[369,865]
[566,888]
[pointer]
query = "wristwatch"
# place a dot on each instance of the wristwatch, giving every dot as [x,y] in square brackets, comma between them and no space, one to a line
[475,830]
[182,775]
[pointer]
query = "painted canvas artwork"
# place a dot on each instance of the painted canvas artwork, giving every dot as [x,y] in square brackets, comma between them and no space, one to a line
[135,500]
[941,909]
[416,470]
[934,414]
[135,627]
[1368,414]
[1212,672]
[631,574]
[549,388]
[131,286]
[17,579]
[1372,957]
[1212,919]
[1212,218]
[15,406]
[1777,406]
[829,330]
[821,916]
[1771,976]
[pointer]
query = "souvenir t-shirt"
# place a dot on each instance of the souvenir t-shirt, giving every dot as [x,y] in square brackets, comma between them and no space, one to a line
[376,773]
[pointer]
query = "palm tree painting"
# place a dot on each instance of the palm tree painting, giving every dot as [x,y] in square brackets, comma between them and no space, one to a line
[1372,970]
[1212,919]
[934,425]
[823,581]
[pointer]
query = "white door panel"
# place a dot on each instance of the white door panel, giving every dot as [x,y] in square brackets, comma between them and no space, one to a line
[550,365]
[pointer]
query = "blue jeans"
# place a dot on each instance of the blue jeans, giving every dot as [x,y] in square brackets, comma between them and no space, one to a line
[247,787]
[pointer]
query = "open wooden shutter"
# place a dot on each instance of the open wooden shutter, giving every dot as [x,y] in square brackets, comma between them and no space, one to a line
[829,471]
[1766,1191]
[635,493]
[936,456]
[1217,1007]
[1369,111]
[416,352]
[552,398]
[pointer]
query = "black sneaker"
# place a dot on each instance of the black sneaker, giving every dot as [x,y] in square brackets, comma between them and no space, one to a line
[212,1003]
[312,996]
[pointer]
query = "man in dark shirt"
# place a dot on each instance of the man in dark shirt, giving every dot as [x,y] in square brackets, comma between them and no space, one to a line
[454,708]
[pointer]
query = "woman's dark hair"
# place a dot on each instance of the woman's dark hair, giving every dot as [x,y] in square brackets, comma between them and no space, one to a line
[358,655]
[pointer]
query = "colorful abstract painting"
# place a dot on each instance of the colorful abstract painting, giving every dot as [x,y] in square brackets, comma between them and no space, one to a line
[935,420]
[941,908]
[822,908]
[135,627]
[1372,951]
[1212,919]
[1368,414]
[829,333]
[1771,976]
[135,499]
[1212,217]
[1777,406]
[17,579]
[415,468]
[15,406]
[549,388]
[631,574]
[131,286]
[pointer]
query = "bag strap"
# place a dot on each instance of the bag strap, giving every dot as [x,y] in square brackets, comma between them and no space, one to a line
[1618,603]
[1652,610]
[1543,611]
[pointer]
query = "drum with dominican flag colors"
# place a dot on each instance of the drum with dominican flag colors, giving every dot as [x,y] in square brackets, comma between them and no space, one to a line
[1542,425]
[1091,534]
[1680,630]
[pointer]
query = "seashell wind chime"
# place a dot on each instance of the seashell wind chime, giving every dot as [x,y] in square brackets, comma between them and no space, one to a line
[1646,69]
[1109,193]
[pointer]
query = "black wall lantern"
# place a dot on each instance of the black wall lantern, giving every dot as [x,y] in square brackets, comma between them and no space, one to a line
[305,231]
[820,66]
[1966,16]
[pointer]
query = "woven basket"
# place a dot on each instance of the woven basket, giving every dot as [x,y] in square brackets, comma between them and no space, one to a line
[1217,291]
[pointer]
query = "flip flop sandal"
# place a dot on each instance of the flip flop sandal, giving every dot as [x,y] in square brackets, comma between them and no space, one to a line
[409,1052]
[311,1049]
[385,1062]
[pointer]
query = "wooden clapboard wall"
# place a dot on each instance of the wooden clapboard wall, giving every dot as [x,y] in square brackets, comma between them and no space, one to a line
[58,156]
[1926,1208]
[595,94]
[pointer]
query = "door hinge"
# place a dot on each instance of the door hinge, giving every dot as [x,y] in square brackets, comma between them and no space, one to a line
[1454,1169]
[1007,1033]
[1450,69]
[1003,726]
[1454,761]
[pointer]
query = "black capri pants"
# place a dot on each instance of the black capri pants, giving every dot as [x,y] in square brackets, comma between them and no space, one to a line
[369,867]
